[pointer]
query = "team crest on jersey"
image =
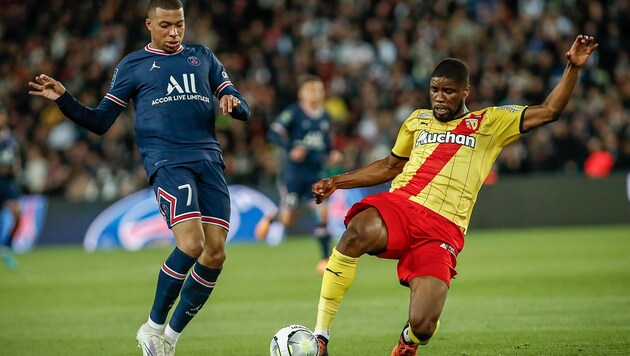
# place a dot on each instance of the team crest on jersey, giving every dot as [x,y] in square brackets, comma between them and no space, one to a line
[472,123]
[193,61]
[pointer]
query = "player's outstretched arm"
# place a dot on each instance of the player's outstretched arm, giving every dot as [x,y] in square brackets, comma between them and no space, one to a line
[377,172]
[557,100]
[97,120]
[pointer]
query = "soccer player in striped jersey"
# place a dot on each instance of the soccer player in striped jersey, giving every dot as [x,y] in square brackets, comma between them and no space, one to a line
[172,86]
[437,166]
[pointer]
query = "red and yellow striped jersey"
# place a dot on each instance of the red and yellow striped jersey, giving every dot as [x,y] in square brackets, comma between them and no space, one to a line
[448,161]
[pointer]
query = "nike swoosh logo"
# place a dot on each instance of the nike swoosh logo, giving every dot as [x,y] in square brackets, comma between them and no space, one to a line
[338,274]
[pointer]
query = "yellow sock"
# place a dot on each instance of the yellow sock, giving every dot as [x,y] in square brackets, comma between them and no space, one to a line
[422,342]
[337,279]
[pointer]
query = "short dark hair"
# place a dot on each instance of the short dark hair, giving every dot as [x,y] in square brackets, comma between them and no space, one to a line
[165,4]
[452,68]
[305,78]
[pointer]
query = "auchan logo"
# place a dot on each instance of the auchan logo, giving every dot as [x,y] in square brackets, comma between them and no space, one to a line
[426,138]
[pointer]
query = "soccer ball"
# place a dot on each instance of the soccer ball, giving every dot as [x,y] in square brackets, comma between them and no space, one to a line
[294,340]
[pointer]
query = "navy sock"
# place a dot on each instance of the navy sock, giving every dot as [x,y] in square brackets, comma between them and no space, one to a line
[322,235]
[170,281]
[197,288]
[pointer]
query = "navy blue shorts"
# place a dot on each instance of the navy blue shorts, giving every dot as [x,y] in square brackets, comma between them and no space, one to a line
[195,190]
[295,188]
[8,190]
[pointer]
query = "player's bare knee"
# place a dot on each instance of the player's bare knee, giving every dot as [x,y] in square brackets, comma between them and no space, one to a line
[357,241]
[423,328]
[213,257]
[287,221]
[350,244]
[192,248]
[218,256]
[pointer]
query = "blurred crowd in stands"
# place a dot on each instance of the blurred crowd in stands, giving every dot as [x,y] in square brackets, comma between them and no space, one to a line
[375,57]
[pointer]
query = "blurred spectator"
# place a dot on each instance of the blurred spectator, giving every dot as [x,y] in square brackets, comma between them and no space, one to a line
[374,57]
[599,162]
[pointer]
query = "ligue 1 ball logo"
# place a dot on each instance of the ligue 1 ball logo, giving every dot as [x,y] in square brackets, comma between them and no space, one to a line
[294,340]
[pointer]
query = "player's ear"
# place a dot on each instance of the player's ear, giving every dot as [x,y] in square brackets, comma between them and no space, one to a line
[466,91]
[147,23]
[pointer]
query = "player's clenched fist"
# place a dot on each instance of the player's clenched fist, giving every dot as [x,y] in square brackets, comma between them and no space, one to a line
[322,189]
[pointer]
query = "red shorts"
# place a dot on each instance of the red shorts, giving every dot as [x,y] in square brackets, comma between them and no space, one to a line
[424,242]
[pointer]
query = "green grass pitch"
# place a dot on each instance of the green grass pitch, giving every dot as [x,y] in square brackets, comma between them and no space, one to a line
[556,291]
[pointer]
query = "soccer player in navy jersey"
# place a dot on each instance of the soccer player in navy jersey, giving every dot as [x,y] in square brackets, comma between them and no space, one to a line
[302,131]
[172,86]
[9,190]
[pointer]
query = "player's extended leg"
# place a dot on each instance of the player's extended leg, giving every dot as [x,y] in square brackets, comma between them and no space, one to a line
[202,279]
[189,242]
[13,206]
[322,235]
[287,212]
[366,233]
[427,297]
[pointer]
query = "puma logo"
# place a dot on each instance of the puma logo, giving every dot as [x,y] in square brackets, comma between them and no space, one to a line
[338,274]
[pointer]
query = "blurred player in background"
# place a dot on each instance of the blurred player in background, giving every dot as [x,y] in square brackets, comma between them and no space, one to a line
[172,86]
[9,191]
[438,164]
[302,131]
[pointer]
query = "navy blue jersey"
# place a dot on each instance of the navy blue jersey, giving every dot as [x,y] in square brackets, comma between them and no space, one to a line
[294,127]
[8,152]
[9,158]
[173,102]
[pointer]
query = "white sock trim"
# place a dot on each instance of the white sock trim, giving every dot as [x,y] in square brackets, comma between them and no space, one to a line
[155,325]
[171,334]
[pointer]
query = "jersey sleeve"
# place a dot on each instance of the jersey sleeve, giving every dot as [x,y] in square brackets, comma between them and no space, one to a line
[219,79]
[122,86]
[101,118]
[220,84]
[328,144]
[280,128]
[506,121]
[404,140]
[97,120]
